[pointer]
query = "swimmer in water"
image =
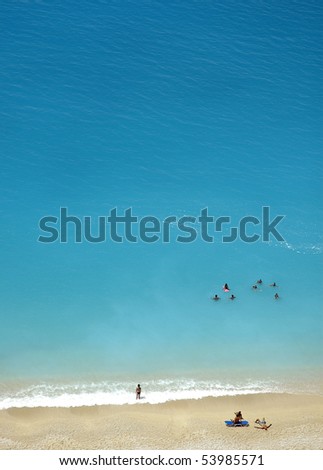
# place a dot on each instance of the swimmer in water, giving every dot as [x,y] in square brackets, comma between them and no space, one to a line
[232,297]
[226,287]
[216,297]
[276,296]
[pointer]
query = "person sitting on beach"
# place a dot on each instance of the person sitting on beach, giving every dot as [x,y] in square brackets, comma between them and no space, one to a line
[276,296]
[138,392]
[238,417]
[262,424]
[232,297]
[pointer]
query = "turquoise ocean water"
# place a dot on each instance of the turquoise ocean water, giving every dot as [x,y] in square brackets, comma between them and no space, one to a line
[168,108]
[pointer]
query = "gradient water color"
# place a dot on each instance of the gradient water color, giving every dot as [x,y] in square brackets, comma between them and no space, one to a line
[165,107]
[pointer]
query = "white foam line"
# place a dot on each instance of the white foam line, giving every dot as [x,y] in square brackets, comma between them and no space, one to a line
[117,398]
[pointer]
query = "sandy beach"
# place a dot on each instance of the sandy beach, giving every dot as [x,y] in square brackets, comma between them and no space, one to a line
[297,423]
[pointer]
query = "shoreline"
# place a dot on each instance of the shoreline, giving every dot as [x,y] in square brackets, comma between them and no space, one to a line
[180,424]
[100,391]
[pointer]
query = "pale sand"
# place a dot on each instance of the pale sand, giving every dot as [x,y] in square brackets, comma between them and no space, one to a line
[188,424]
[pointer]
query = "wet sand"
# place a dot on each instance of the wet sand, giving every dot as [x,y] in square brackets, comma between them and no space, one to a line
[297,423]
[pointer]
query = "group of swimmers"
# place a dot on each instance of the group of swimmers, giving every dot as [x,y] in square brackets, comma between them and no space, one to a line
[226,288]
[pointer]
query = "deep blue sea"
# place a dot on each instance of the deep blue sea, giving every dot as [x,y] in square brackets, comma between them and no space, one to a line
[167,108]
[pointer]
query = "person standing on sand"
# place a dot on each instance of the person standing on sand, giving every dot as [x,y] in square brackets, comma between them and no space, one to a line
[138,392]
